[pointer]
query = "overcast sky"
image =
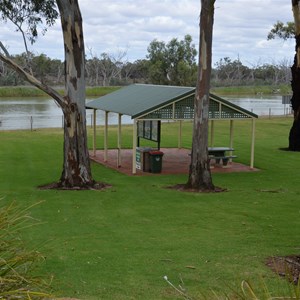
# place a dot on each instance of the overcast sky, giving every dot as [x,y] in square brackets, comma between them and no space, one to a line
[240,28]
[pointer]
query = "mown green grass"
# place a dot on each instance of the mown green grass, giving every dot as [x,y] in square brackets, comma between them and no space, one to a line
[282,89]
[21,91]
[30,91]
[119,243]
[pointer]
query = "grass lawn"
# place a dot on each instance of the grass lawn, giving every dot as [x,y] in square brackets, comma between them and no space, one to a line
[30,91]
[119,243]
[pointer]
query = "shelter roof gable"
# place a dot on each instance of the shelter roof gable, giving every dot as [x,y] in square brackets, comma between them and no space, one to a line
[155,101]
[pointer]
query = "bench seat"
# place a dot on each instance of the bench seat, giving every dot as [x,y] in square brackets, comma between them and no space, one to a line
[224,159]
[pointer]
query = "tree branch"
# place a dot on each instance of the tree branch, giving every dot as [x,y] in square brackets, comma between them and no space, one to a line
[4,49]
[31,79]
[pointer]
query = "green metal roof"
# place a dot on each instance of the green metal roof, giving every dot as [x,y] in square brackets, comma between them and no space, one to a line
[145,101]
[134,100]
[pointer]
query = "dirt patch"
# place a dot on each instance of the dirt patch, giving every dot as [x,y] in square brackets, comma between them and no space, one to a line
[65,299]
[286,266]
[183,188]
[57,186]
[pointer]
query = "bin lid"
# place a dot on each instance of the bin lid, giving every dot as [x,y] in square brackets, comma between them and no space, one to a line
[156,152]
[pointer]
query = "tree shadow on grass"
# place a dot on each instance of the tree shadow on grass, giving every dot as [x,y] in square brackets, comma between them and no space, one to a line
[183,188]
[284,149]
[98,186]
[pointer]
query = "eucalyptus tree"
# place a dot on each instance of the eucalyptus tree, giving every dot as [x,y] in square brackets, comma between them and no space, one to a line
[41,67]
[158,66]
[137,71]
[7,75]
[34,13]
[282,31]
[294,136]
[199,174]
[173,63]
[106,67]
[30,13]
[111,66]
[286,31]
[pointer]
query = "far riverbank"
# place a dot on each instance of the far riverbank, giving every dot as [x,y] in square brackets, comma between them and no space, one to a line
[29,91]
[252,90]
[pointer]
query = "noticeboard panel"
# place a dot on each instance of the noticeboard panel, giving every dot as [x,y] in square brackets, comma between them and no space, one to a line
[149,130]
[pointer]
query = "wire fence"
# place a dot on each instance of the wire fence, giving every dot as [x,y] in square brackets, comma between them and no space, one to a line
[30,122]
[33,122]
[36,121]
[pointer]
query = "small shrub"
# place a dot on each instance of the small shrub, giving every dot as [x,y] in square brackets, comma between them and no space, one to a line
[16,262]
[246,292]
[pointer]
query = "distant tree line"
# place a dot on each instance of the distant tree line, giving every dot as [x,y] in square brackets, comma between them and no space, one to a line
[172,63]
[234,72]
[47,70]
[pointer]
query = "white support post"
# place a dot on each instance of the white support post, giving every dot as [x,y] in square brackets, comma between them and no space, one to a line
[94,131]
[252,144]
[231,139]
[119,139]
[105,136]
[180,135]
[134,144]
[212,133]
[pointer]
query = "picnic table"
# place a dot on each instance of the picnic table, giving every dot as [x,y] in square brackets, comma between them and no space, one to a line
[221,153]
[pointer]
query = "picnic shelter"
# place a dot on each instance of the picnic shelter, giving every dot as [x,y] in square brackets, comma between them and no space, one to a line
[149,104]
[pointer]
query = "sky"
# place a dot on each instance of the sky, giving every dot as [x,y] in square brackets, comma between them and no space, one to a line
[240,29]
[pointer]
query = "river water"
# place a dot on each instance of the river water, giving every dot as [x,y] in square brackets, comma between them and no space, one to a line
[33,113]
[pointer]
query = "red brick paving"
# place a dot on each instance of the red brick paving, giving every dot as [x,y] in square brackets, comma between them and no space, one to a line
[175,161]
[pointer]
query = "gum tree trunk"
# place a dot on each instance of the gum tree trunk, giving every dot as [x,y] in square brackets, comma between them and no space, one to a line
[76,164]
[199,174]
[76,168]
[294,137]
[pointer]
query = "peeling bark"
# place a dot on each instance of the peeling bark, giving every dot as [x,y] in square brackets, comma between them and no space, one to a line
[294,136]
[76,170]
[4,49]
[199,174]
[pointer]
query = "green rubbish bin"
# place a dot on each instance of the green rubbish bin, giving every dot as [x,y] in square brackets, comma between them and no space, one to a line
[155,161]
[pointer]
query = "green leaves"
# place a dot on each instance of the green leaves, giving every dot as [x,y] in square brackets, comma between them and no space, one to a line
[28,16]
[282,31]
[173,63]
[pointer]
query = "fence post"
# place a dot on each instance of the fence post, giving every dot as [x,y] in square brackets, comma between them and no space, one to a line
[31,123]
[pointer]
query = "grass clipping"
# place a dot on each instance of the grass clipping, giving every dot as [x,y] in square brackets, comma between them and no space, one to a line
[16,263]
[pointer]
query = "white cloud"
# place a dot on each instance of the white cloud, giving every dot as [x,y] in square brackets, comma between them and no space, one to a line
[240,27]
